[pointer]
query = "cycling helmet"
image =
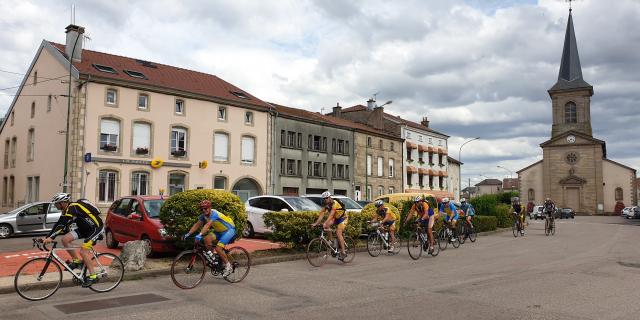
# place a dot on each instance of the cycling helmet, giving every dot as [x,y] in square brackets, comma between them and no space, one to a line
[326,194]
[379,203]
[61,197]
[516,200]
[205,204]
[445,200]
[463,200]
[418,199]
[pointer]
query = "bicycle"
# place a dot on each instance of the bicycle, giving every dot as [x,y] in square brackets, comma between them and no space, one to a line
[44,274]
[549,225]
[378,240]
[466,230]
[189,266]
[319,249]
[517,228]
[447,235]
[419,242]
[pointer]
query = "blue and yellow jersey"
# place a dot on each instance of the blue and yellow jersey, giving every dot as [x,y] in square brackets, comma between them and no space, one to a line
[220,222]
[448,209]
[340,211]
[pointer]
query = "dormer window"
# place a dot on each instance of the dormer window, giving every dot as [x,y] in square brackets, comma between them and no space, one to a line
[240,95]
[106,69]
[135,74]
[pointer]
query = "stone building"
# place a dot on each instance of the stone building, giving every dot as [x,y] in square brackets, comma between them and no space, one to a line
[575,171]
[489,186]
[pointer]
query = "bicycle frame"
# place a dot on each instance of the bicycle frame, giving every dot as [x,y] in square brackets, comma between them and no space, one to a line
[328,243]
[381,234]
[53,256]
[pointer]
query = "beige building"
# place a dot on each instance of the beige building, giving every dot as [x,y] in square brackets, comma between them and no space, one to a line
[136,127]
[488,186]
[575,171]
[378,164]
[454,177]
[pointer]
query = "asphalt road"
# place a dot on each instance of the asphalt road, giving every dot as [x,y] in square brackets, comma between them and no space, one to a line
[589,270]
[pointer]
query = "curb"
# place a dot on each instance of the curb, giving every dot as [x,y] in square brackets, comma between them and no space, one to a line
[139,275]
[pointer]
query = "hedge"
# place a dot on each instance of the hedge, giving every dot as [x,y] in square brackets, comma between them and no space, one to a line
[180,211]
[503,216]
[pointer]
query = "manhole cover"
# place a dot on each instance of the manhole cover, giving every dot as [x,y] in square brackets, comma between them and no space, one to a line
[109,303]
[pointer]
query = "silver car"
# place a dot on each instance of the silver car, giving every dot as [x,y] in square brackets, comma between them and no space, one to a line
[36,217]
[257,206]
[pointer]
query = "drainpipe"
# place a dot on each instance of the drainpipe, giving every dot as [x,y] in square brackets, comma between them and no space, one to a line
[274,114]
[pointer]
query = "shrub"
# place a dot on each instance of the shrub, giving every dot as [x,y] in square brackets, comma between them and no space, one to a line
[369,211]
[485,223]
[506,197]
[180,211]
[503,216]
[485,204]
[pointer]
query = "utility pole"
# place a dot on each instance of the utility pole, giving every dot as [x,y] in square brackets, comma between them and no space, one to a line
[66,138]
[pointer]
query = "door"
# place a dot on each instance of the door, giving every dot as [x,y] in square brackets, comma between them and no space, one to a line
[121,227]
[573,198]
[136,226]
[53,214]
[259,206]
[32,218]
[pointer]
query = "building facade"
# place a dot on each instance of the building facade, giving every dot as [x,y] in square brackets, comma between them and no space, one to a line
[488,186]
[135,127]
[575,171]
[453,171]
[377,162]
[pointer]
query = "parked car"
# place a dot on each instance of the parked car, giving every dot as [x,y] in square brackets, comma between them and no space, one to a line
[627,213]
[137,218]
[636,213]
[537,213]
[363,203]
[257,206]
[36,217]
[349,204]
[567,213]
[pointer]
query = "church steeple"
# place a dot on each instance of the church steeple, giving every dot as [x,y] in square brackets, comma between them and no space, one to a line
[570,74]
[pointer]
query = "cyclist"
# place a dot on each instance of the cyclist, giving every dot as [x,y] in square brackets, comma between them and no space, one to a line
[223,231]
[518,212]
[388,220]
[468,210]
[451,213]
[89,227]
[426,217]
[549,208]
[337,217]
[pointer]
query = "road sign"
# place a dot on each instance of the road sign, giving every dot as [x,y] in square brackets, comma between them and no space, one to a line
[87,157]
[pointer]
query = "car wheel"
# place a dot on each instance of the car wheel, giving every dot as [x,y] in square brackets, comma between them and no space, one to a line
[247,231]
[5,230]
[146,239]
[111,242]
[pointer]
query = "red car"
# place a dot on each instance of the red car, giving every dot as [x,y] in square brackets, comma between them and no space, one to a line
[137,218]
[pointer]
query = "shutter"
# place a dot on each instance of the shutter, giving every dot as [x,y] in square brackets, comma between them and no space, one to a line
[141,135]
[247,149]
[110,127]
[380,167]
[221,147]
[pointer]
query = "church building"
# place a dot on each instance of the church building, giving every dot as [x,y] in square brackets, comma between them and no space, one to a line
[575,171]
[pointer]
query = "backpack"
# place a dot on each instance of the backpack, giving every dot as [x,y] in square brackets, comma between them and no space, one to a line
[89,206]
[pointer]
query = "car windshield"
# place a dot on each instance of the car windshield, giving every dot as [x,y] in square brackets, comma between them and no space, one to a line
[153,207]
[302,204]
[350,204]
[20,208]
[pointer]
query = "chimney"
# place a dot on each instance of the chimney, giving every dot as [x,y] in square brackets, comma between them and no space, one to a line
[425,122]
[337,110]
[74,37]
[371,104]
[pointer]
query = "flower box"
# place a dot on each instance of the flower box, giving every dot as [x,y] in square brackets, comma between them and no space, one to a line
[178,153]
[142,151]
[109,147]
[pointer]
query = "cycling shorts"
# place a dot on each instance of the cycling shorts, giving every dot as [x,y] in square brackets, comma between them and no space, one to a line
[455,217]
[90,234]
[224,237]
[341,223]
[427,222]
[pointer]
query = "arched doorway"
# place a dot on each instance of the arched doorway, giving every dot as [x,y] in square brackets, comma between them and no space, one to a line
[246,188]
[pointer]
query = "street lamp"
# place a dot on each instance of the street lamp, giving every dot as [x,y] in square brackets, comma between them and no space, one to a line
[510,177]
[366,158]
[460,159]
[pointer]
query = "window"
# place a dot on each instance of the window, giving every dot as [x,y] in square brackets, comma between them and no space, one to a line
[248,150]
[107,185]
[6,153]
[380,169]
[341,148]
[178,142]
[409,154]
[33,109]
[369,142]
[315,143]
[141,138]
[35,78]
[135,74]
[409,135]
[619,194]
[368,193]
[143,101]
[317,169]
[221,147]
[14,143]
[176,182]
[139,183]
[431,181]
[368,165]
[179,108]
[31,144]
[291,167]
[420,138]
[299,164]
[570,115]
[334,148]
[36,189]
[109,135]
[103,68]
[112,97]
[324,169]
[49,101]
[291,139]
[346,172]
[240,95]
[572,158]
[220,183]
[380,190]
[441,183]
[248,118]
[5,186]
[282,166]
[309,169]
[29,188]
[391,146]
[222,113]
[391,168]
[13,117]
[300,140]
[532,195]
[12,189]
[420,177]
[380,146]
[409,178]
[283,138]
[391,190]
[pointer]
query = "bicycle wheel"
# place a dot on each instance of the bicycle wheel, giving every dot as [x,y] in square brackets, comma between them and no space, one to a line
[317,252]
[472,234]
[240,261]
[350,249]
[455,242]
[38,279]
[553,227]
[443,241]
[546,227]
[436,247]
[374,244]
[414,246]
[188,269]
[462,232]
[110,271]
[397,245]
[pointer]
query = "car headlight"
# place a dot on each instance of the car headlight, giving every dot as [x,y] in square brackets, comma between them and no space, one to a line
[163,233]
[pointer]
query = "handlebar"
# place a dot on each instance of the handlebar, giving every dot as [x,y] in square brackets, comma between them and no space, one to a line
[37,242]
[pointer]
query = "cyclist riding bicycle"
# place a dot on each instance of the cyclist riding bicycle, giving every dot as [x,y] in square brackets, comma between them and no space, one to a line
[223,230]
[337,217]
[426,217]
[549,208]
[388,220]
[468,210]
[518,212]
[89,227]
[450,211]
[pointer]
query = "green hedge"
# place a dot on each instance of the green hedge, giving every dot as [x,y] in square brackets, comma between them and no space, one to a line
[180,211]
[485,223]
[503,215]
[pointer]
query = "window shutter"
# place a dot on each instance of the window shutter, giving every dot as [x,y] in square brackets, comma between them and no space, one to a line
[247,149]
[110,127]
[141,135]
[221,147]
[380,172]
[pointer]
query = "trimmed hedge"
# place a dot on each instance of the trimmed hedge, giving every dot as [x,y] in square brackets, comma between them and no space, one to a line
[180,211]
[485,223]
[503,216]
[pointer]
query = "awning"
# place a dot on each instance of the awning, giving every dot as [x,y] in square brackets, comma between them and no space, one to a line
[422,148]
[431,149]
[411,145]
[431,172]
[423,171]
[411,169]
[441,151]
[443,173]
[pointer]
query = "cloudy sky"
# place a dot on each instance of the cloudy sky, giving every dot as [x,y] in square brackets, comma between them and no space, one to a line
[475,67]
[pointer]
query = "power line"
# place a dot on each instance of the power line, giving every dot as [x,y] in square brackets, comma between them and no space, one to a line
[31,84]
[32,95]
[22,74]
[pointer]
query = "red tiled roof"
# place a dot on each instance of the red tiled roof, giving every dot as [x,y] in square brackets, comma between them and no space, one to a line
[358,107]
[162,76]
[412,124]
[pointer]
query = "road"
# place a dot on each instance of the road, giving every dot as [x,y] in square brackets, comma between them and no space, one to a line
[589,270]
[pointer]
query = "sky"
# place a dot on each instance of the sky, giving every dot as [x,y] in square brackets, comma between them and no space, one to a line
[475,68]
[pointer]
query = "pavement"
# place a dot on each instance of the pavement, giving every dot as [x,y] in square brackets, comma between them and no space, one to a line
[588,270]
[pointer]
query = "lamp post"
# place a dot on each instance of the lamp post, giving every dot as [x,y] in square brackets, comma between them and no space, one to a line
[460,159]
[510,177]
[366,158]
